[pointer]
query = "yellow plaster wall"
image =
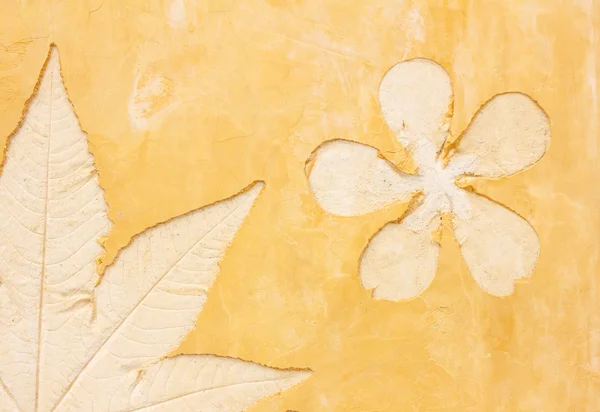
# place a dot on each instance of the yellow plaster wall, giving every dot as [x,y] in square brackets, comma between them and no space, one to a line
[186,108]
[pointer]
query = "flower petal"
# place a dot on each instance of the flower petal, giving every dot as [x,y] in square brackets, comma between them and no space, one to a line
[508,134]
[399,263]
[349,179]
[416,102]
[498,245]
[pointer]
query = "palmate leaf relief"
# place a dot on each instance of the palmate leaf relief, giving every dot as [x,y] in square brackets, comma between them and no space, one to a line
[508,134]
[71,343]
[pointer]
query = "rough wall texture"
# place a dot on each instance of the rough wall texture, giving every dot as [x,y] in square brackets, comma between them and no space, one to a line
[186,102]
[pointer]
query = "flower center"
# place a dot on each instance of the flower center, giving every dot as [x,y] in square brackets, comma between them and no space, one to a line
[438,182]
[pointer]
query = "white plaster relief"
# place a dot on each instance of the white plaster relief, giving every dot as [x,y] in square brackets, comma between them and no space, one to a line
[68,344]
[507,135]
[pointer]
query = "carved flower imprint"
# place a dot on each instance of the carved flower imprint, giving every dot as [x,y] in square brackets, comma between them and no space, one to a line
[507,135]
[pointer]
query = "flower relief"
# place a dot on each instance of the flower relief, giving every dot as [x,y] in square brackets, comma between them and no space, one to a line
[507,135]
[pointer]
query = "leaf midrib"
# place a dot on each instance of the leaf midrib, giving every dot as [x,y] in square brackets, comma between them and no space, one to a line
[44,243]
[184,395]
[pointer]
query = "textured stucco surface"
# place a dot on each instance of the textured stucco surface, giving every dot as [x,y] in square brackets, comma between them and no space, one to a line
[187,102]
